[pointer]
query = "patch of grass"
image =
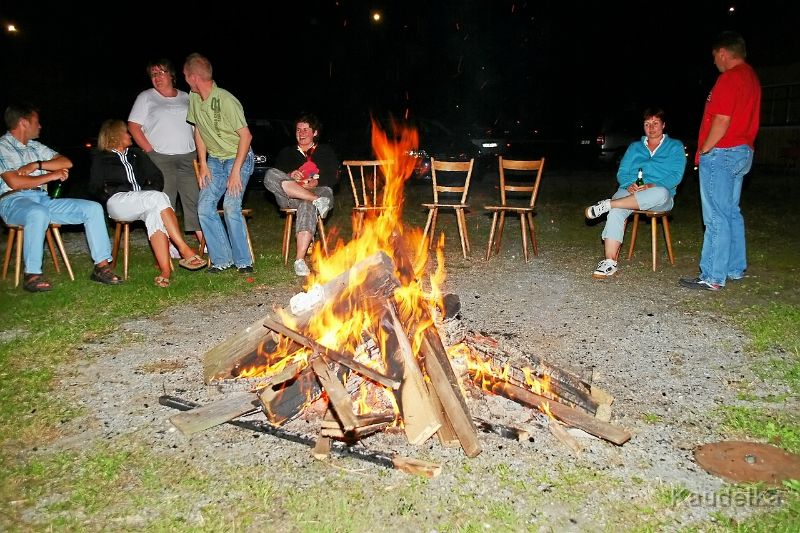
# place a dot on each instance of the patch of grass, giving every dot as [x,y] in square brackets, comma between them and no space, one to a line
[777,427]
[776,326]
[651,418]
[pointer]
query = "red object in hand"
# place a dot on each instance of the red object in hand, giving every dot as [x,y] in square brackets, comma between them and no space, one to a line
[309,169]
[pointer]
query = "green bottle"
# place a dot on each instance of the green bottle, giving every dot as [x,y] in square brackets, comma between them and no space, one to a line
[640,178]
[57,190]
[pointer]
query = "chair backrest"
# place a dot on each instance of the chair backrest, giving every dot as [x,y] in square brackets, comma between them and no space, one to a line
[526,178]
[460,170]
[367,179]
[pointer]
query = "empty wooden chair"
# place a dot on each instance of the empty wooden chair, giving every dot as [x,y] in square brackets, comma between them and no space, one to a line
[654,217]
[461,172]
[526,178]
[367,180]
[16,234]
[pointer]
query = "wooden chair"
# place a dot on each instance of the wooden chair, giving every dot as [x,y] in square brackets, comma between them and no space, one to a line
[463,170]
[526,179]
[368,189]
[654,217]
[290,213]
[246,213]
[123,228]
[16,234]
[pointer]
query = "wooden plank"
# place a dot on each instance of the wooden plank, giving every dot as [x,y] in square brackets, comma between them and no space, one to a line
[443,378]
[340,401]
[446,434]
[286,401]
[333,355]
[356,434]
[420,419]
[561,434]
[508,432]
[570,416]
[216,413]
[219,360]
[416,467]
[322,449]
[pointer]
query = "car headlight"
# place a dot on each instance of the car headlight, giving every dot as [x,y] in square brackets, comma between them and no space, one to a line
[259,159]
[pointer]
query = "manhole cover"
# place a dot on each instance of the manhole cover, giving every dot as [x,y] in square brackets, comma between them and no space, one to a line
[748,461]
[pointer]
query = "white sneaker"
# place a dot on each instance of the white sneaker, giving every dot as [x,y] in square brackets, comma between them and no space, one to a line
[173,252]
[323,205]
[605,269]
[598,209]
[301,268]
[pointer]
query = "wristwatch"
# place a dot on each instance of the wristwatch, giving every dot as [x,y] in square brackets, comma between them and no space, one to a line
[40,164]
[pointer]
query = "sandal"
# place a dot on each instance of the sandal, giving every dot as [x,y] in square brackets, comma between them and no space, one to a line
[105,275]
[193,263]
[162,282]
[36,283]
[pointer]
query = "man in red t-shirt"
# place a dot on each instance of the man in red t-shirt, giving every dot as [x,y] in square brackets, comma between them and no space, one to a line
[724,155]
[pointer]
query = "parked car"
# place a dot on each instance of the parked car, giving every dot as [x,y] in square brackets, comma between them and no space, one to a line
[270,135]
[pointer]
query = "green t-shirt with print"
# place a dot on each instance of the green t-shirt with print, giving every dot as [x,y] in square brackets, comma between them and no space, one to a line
[217,118]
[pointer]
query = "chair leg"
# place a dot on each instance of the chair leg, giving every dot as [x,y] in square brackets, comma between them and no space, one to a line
[115,246]
[427,228]
[249,242]
[18,262]
[532,230]
[491,236]
[500,227]
[523,225]
[466,230]
[633,234]
[323,238]
[50,246]
[668,238]
[126,234]
[287,231]
[654,238]
[433,227]
[9,246]
[462,231]
[63,251]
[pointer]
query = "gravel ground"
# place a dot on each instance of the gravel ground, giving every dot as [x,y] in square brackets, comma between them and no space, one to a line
[667,368]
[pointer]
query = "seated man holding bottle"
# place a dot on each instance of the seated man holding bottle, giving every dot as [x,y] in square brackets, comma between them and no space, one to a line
[26,167]
[648,177]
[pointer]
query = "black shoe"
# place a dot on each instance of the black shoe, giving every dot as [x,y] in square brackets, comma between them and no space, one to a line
[697,283]
[246,269]
[214,269]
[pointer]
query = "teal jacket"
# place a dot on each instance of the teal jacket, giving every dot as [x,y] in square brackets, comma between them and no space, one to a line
[664,168]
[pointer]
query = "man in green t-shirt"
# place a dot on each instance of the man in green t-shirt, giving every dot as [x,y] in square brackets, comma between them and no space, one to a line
[226,163]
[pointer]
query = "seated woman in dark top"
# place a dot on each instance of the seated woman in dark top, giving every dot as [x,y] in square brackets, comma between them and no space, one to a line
[302,180]
[130,184]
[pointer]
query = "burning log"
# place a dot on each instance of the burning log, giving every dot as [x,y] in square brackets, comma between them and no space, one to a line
[565,413]
[287,400]
[567,387]
[339,398]
[405,464]
[420,419]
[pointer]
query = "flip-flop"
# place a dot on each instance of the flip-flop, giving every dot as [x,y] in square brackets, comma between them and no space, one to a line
[162,282]
[193,263]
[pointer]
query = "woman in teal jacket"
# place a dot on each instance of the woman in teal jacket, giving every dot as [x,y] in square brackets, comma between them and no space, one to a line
[648,177]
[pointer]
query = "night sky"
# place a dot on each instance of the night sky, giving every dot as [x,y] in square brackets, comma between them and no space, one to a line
[545,64]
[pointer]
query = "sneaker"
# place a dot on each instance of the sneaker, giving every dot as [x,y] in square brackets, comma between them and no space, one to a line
[323,205]
[605,269]
[216,269]
[245,269]
[697,283]
[173,252]
[600,208]
[301,268]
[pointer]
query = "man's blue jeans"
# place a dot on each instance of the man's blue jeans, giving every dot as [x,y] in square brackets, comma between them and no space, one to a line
[722,171]
[34,210]
[225,248]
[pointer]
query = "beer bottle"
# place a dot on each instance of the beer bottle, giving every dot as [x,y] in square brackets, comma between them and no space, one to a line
[640,178]
[57,190]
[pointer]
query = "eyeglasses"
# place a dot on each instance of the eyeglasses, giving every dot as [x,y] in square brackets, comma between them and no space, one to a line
[653,124]
[155,73]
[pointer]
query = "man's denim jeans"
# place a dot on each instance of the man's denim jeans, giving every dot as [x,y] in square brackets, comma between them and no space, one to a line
[722,171]
[225,248]
[34,210]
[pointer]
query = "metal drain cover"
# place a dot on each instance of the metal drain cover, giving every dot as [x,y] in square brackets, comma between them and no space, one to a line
[748,461]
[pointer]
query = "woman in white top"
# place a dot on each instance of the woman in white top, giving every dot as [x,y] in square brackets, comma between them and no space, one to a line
[157,123]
